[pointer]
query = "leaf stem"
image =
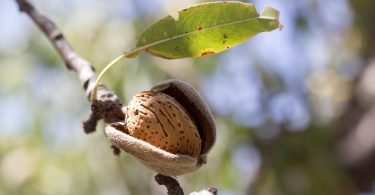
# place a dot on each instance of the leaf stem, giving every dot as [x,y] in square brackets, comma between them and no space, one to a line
[106,68]
[129,54]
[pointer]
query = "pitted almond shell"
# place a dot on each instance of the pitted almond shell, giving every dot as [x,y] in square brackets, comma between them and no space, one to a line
[160,120]
[195,105]
[162,161]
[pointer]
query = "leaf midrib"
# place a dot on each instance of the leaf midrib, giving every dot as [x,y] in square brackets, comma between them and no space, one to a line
[138,49]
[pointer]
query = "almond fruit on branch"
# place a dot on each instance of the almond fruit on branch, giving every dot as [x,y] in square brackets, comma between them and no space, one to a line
[169,129]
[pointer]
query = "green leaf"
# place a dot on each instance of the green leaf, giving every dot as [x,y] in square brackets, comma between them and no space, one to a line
[205,29]
[201,30]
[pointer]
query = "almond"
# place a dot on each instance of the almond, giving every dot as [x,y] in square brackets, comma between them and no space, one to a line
[169,129]
[160,120]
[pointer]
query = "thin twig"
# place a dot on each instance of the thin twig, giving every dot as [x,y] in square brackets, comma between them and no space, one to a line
[174,188]
[170,183]
[73,61]
[84,70]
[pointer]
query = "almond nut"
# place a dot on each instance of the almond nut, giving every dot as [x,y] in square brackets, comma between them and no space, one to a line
[169,129]
[160,120]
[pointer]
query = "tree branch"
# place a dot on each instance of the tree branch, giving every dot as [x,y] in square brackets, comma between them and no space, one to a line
[73,61]
[107,100]
[174,188]
[170,183]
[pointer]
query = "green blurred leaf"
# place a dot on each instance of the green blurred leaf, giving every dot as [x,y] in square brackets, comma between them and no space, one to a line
[206,29]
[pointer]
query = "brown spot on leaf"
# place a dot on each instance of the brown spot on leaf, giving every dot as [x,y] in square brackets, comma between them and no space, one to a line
[200,28]
[158,54]
[207,52]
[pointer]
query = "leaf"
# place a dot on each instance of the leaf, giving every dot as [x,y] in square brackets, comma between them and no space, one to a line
[201,30]
[205,29]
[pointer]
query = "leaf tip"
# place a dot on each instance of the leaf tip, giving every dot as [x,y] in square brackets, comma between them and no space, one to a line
[273,14]
[280,26]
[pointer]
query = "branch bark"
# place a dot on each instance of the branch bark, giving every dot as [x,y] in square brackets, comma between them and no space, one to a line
[73,61]
[174,188]
[84,70]
[170,183]
[107,106]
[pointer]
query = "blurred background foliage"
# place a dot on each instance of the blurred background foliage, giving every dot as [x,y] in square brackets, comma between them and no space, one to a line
[294,108]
